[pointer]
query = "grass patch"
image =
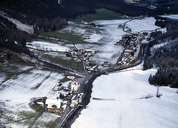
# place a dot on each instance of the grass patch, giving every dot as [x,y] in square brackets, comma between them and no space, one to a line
[8,70]
[66,37]
[1,67]
[22,118]
[38,108]
[52,125]
[67,63]
[13,65]
[27,115]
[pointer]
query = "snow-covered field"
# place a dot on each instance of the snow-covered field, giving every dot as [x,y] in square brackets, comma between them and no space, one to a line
[146,24]
[99,39]
[122,103]
[18,92]
[106,34]
[47,46]
[22,88]
[137,25]
[112,34]
[94,38]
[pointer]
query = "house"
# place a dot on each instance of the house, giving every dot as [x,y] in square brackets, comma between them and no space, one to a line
[64,94]
[71,77]
[38,101]
[76,100]
[74,85]
[56,106]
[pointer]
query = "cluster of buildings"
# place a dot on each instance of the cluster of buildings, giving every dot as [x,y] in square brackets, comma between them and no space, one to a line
[68,96]
[131,44]
[83,56]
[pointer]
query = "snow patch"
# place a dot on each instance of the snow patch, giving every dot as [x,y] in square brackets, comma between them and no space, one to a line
[21,26]
[110,22]
[93,38]
[160,45]
[47,46]
[146,24]
[74,29]
[171,16]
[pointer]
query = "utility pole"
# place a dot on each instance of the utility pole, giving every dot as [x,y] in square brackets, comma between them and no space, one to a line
[157,92]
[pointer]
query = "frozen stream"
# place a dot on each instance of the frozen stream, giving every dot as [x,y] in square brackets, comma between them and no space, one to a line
[124,105]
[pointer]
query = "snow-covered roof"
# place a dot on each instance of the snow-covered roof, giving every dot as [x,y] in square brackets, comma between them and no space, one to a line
[53,101]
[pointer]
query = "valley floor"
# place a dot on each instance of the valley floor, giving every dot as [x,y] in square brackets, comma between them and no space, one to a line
[122,99]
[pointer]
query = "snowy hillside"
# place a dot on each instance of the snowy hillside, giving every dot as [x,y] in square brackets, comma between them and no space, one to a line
[125,99]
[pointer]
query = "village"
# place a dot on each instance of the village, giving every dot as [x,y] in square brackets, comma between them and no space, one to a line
[83,56]
[132,44]
[68,95]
